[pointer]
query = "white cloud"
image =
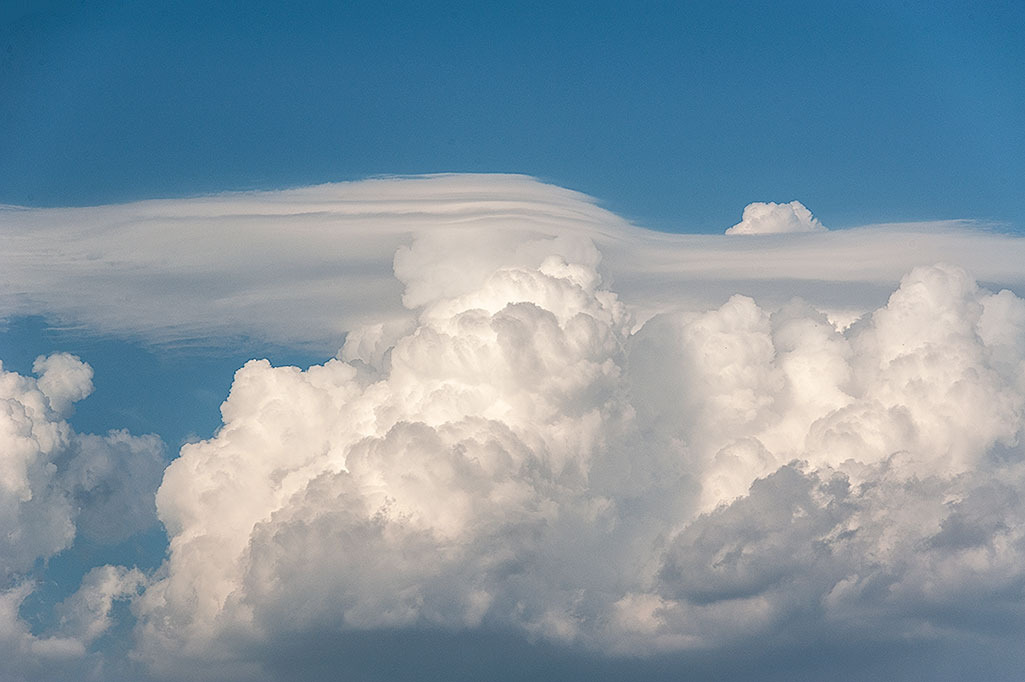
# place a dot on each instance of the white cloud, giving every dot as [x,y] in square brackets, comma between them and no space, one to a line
[25,655]
[63,379]
[65,652]
[54,485]
[422,490]
[36,513]
[85,615]
[773,218]
[52,478]
[520,459]
[542,421]
[304,266]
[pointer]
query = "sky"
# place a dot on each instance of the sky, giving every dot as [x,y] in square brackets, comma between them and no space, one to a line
[441,341]
[674,115]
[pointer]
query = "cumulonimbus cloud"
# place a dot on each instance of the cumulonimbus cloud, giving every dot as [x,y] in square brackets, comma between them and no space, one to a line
[520,459]
[545,421]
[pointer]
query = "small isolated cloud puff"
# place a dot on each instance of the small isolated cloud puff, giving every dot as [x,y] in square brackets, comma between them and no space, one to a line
[773,218]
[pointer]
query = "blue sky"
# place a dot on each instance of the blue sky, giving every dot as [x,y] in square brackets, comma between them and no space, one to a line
[673,114]
[709,446]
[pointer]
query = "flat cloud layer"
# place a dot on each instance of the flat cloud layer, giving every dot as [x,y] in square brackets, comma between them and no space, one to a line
[304,266]
[569,430]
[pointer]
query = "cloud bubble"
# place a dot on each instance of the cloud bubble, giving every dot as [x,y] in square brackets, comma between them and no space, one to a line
[773,218]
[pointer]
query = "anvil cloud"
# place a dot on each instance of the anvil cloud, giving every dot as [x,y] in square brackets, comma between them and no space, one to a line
[305,266]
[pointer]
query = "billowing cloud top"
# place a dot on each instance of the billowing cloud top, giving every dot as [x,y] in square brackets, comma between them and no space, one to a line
[773,218]
[519,459]
[540,429]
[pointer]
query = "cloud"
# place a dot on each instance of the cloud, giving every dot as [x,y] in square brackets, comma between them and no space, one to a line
[85,615]
[878,554]
[543,424]
[56,485]
[66,651]
[302,267]
[773,218]
[521,460]
[53,480]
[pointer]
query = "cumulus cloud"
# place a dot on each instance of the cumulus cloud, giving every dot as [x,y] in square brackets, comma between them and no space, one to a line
[53,479]
[522,459]
[85,615]
[773,218]
[56,484]
[65,651]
